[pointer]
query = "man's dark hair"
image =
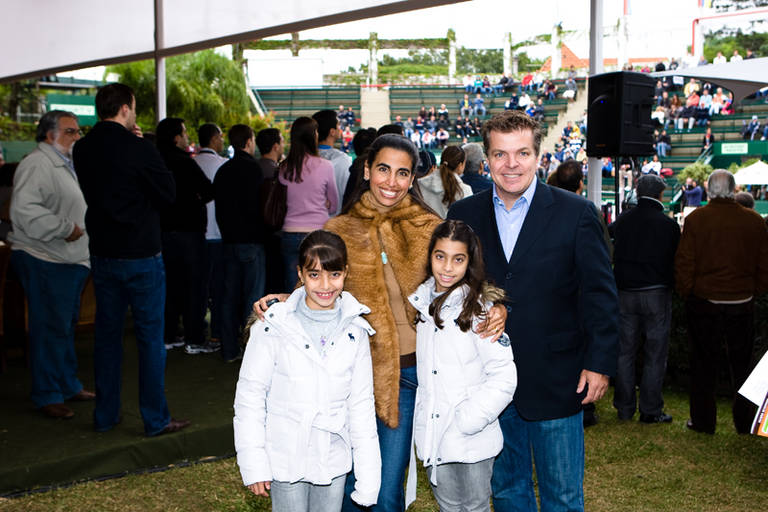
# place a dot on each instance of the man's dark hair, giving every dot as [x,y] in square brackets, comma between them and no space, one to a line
[50,121]
[512,121]
[327,120]
[239,135]
[362,139]
[569,176]
[390,128]
[266,140]
[206,133]
[167,130]
[111,98]
[745,199]
[650,185]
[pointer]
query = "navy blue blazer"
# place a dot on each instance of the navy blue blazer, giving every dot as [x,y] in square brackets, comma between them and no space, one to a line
[562,309]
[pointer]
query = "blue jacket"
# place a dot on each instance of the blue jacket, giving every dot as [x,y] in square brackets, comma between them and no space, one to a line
[562,301]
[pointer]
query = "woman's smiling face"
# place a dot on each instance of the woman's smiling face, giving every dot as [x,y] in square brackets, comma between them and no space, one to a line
[390,176]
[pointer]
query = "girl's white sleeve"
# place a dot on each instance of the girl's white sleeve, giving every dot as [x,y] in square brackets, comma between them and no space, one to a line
[251,407]
[366,457]
[487,401]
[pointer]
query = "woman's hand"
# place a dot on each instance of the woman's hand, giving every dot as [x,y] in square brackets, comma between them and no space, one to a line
[493,325]
[260,306]
[260,488]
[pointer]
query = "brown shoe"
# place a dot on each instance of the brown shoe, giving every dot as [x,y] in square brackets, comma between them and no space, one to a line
[174,426]
[82,396]
[57,411]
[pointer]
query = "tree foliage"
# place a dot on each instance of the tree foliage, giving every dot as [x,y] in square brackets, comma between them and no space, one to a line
[697,171]
[201,87]
[726,41]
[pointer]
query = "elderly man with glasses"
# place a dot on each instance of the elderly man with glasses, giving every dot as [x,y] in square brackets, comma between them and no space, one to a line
[50,257]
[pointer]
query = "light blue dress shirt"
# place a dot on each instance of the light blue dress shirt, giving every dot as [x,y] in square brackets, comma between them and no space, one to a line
[510,222]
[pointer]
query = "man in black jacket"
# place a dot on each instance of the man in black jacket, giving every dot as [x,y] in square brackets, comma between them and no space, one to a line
[126,184]
[183,225]
[241,223]
[644,256]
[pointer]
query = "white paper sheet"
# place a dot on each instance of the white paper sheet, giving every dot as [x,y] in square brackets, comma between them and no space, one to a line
[756,386]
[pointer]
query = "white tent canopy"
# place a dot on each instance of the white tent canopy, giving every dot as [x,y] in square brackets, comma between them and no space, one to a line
[755,174]
[60,36]
[742,78]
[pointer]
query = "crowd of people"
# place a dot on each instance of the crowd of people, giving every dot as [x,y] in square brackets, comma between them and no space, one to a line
[394,300]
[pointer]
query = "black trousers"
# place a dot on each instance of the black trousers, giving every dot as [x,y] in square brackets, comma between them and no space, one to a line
[184,255]
[709,327]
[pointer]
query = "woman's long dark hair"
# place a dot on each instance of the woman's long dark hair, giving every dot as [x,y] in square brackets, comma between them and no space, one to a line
[452,157]
[479,291]
[392,141]
[303,144]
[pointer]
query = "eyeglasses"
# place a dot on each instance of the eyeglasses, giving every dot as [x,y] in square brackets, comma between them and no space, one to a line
[72,131]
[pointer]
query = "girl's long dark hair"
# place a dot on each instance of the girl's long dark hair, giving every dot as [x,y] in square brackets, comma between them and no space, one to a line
[392,141]
[303,144]
[479,291]
[452,157]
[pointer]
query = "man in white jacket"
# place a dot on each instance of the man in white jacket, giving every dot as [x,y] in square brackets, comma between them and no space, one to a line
[50,257]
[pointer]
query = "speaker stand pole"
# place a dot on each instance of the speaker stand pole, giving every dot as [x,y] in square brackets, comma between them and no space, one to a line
[617,183]
[595,174]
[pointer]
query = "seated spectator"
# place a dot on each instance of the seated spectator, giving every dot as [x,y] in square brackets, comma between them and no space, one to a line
[431,112]
[708,139]
[675,113]
[427,140]
[527,82]
[718,100]
[550,90]
[566,133]
[570,89]
[468,83]
[416,139]
[477,126]
[765,131]
[342,115]
[514,102]
[607,168]
[691,87]
[524,101]
[749,131]
[538,114]
[431,124]
[350,117]
[689,111]
[657,91]
[459,127]
[423,112]
[652,167]
[479,105]
[531,110]
[443,113]
[727,105]
[487,87]
[478,85]
[465,106]
[408,127]
[442,137]
[418,125]
[501,86]
[399,122]
[346,139]
[663,143]
[659,116]
[736,57]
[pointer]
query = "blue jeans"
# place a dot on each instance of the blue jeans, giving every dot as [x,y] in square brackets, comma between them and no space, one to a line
[289,247]
[53,297]
[140,284]
[307,497]
[463,487]
[643,314]
[243,275]
[556,447]
[395,446]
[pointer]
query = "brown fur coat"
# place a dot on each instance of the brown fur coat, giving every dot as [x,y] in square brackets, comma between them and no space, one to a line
[405,231]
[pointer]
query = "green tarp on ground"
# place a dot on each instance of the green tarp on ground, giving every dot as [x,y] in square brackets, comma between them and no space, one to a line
[36,451]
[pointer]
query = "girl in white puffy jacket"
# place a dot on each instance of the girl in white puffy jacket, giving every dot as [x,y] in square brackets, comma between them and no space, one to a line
[464,381]
[304,405]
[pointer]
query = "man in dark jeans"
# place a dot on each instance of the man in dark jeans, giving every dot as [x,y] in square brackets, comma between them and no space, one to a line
[241,223]
[183,234]
[644,254]
[720,267]
[125,184]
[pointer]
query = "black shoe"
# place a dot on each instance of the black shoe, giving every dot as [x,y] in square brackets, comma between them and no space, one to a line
[661,418]
[590,419]
[625,417]
[689,424]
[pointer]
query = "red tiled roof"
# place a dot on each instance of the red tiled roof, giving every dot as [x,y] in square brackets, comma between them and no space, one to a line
[568,59]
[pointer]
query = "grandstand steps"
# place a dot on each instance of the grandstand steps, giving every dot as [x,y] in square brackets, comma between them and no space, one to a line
[573,112]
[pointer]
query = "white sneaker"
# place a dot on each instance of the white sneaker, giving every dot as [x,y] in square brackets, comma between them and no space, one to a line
[177,342]
[205,348]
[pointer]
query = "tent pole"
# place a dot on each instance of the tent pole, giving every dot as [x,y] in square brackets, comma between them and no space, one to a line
[595,175]
[160,109]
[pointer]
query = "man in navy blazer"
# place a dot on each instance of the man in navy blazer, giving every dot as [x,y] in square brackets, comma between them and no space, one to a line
[545,247]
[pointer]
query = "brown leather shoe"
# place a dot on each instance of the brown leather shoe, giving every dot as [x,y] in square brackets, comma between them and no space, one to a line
[82,396]
[174,426]
[57,411]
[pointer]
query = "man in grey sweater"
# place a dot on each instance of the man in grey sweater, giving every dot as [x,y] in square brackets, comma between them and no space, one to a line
[50,257]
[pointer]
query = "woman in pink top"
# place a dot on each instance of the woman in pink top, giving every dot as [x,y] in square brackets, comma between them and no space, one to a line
[311,193]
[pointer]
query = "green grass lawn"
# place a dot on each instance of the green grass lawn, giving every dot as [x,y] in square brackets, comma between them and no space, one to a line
[629,467]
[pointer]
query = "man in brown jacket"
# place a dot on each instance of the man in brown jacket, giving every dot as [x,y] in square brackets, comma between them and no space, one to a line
[721,265]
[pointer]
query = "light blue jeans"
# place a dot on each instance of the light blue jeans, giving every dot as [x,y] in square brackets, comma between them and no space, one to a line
[307,497]
[395,446]
[557,447]
[463,487]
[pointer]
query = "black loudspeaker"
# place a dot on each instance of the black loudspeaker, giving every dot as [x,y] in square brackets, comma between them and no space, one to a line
[619,114]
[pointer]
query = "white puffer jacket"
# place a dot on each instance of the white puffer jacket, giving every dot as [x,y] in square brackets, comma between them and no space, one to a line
[300,416]
[465,382]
